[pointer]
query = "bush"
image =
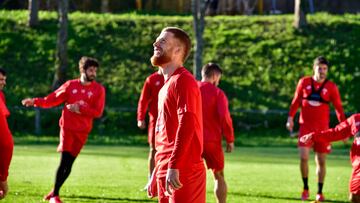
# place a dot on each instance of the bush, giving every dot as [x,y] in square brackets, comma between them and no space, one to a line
[262,57]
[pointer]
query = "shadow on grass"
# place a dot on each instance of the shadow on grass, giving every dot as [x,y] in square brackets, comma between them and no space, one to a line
[84,198]
[276,197]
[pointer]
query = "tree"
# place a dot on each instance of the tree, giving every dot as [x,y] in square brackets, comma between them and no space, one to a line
[61,61]
[199,8]
[300,17]
[33,13]
[105,6]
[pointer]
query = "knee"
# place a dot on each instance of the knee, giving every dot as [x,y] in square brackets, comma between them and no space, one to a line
[304,159]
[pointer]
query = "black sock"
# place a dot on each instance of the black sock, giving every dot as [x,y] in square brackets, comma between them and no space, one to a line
[63,171]
[320,187]
[305,181]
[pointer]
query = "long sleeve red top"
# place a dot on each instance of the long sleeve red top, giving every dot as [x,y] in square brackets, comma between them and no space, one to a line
[216,116]
[91,100]
[315,113]
[149,96]
[6,141]
[179,135]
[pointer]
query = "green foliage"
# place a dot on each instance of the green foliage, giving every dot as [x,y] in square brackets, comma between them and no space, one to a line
[263,57]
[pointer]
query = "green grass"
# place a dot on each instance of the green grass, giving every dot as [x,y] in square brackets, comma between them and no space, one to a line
[105,173]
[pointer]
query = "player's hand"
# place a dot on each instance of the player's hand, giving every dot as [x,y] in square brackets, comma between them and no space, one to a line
[141,124]
[290,124]
[28,102]
[3,189]
[306,138]
[229,147]
[172,179]
[73,108]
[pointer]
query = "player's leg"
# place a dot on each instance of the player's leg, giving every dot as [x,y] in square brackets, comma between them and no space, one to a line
[63,171]
[220,187]
[304,169]
[321,150]
[355,198]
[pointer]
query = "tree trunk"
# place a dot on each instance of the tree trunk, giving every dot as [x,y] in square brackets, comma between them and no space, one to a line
[61,61]
[199,8]
[105,6]
[300,17]
[33,13]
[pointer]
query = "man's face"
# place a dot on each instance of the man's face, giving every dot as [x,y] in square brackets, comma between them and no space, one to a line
[163,49]
[2,81]
[90,73]
[320,71]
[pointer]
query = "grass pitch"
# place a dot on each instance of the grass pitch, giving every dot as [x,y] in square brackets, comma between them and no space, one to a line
[118,173]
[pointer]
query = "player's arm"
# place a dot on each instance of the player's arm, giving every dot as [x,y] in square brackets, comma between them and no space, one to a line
[343,130]
[143,104]
[336,101]
[55,98]
[295,103]
[226,121]
[96,109]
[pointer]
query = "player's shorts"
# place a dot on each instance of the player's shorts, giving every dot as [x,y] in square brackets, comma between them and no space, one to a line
[214,156]
[319,147]
[192,191]
[151,132]
[71,142]
[354,185]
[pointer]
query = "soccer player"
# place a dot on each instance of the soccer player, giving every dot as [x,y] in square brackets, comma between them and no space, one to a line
[313,95]
[149,100]
[179,175]
[217,122]
[83,101]
[6,141]
[349,127]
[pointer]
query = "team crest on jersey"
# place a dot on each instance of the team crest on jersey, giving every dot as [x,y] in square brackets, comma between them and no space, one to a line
[324,91]
[89,94]
[74,91]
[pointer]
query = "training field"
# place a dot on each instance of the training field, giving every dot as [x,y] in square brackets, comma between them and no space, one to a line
[117,173]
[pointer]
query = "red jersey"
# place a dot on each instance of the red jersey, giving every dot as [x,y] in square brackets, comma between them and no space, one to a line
[3,107]
[314,113]
[179,135]
[91,100]
[6,141]
[149,96]
[216,116]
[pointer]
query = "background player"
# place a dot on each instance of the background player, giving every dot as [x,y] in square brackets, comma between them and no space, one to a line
[313,94]
[84,100]
[217,122]
[148,101]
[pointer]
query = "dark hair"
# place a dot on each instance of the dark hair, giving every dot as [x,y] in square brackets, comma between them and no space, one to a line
[183,37]
[210,69]
[321,60]
[86,62]
[2,71]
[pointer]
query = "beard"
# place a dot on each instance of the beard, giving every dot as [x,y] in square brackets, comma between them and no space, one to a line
[89,78]
[160,60]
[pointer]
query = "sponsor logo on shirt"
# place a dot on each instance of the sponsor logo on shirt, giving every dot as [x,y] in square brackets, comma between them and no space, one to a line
[74,91]
[314,103]
[83,91]
[157,83]
[308,87]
